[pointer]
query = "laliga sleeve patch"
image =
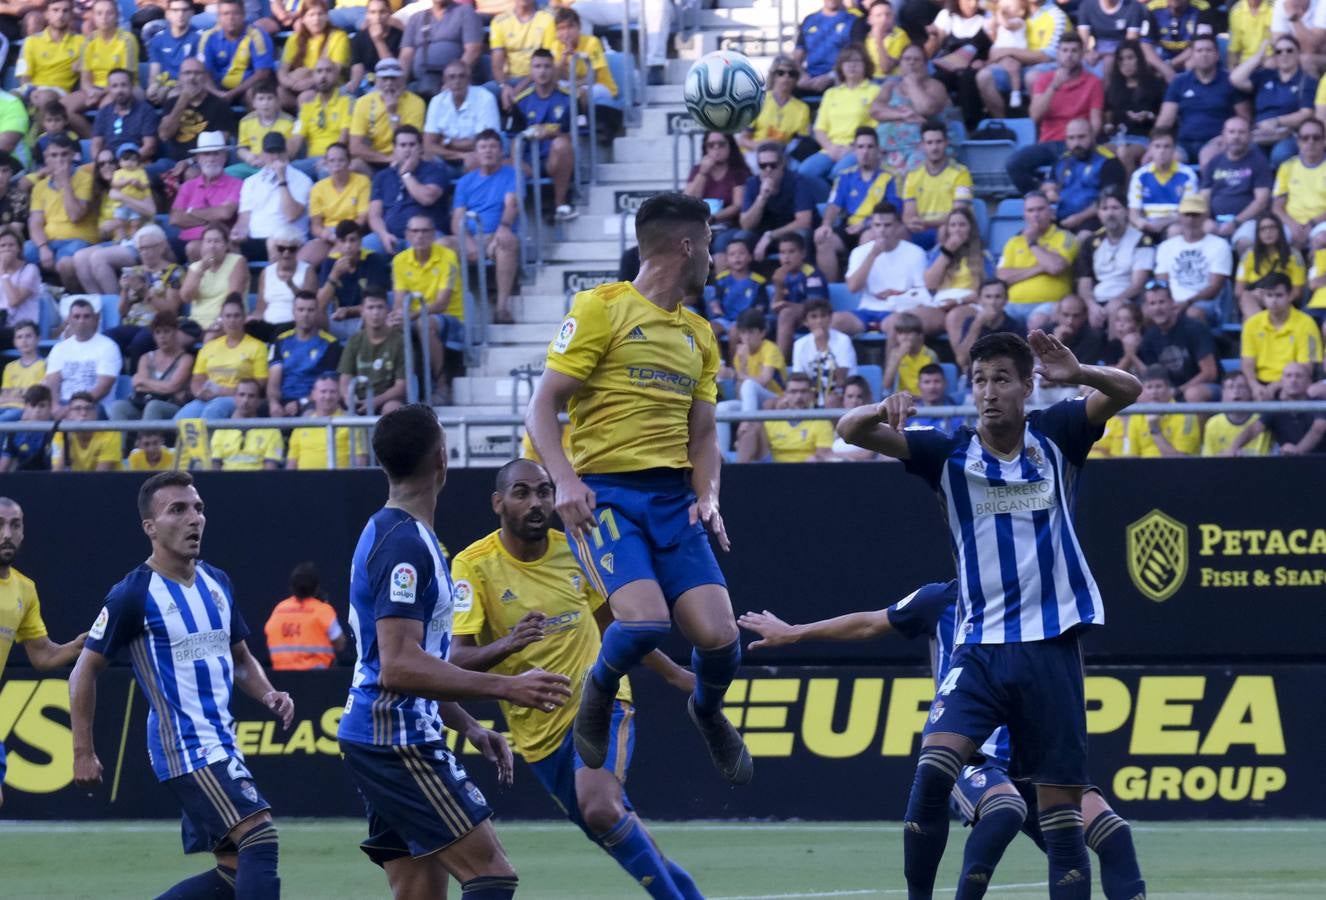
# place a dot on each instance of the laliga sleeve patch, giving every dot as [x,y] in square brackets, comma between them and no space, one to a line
[98,629]
[462,597]
[404,583]
[564,335]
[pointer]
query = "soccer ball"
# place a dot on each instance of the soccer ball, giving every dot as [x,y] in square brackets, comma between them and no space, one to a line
[723,92]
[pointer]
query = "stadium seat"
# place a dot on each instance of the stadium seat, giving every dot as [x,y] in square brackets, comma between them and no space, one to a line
[988,160]
[951,375]
[1230,365]
[110,312]
[981,210]
[840,297]
[874,377]
[124,388]
[47,316]
[127,10]
[620,65]
[1001,229]
[1010,208]
[85,148]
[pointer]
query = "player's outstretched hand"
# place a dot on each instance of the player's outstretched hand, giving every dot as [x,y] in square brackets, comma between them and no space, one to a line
[1057,362]
[281,706]
[896,409]
[87,770]
[528,630]
[773,631]
[494,749]
[537,689]
[575,505]
[706,511]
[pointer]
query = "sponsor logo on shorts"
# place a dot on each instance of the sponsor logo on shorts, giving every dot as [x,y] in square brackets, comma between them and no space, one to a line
[936,711]
[250,792]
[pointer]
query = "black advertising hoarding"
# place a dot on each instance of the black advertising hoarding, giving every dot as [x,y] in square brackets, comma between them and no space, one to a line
[829,743]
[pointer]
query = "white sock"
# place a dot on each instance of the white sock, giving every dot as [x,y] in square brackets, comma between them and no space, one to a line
[1015,98]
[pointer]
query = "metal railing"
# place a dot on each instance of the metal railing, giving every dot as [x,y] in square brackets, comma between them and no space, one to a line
[692,154]
[515,419]
[634,106]
[531,236]
[475,335]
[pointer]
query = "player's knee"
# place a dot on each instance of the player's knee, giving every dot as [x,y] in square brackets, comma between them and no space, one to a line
[937,771]
[490,887]
[1008,807]
[1103,827]
[601,814]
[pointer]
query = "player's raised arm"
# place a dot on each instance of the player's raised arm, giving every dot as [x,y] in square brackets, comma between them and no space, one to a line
[575,501]
[82,711]
[774,632]
[1115,389]
[407,669]
[879,427]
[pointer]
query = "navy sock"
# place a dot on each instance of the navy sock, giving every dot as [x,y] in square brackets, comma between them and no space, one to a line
[1065,845]
[629,844]
[686,885]
[214,884]
[1120,875]
[624,645]
[257,878]
[997,823]
[489,887]
[925,824]
[714,671]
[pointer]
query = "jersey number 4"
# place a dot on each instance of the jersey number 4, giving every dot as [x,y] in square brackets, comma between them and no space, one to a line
[950,681]
[608,523]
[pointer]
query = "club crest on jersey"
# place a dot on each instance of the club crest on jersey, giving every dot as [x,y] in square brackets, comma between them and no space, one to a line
[690,338]
[403,583]
[606,562]
[98,629]
[564,335]
[1034,457]
[1157,555]
[219,601]
[936,710]
[462,596]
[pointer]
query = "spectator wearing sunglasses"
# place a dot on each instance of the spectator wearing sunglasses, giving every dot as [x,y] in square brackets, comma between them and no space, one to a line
[775,202]
[125,120]
[278,286]
[1282,95]
[274,198]
[783,118]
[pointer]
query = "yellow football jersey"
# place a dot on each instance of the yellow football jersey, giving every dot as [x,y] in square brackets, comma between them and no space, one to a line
[335,207]
[935,195]
[50,63]
[100,56]
[20,614]
[1039,288]
[138,461]
[372,120]
[55,215]
[895,42]
[642,367]
[781,123]
[102,447]
[797,441]
[18,377]
[1220,433]
[909,369]
[227,366]
[1274,347]
[844,109]
[1182,432]
[247,451]
[1111,442]
[493,590]
[1303,187]
[308,447]
[332,43]
[518,40]
[441,269]
[769,355]
[322,121]
[252,130]
[588,46]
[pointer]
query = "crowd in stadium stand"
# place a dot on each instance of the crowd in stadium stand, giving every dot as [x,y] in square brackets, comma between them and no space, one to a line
[236,210]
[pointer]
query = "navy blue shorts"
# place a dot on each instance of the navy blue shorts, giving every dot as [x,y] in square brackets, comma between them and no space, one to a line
[972,785]
[4,762]
[557,771]
[644,534]
[1036,688]
[213,800]
[417,797]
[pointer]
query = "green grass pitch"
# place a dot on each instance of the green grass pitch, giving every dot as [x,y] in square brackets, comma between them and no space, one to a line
[730,860]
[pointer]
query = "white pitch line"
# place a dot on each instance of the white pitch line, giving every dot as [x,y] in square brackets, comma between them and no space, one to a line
[868,892]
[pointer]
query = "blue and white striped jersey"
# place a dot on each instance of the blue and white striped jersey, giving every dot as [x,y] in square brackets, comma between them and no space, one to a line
[930,610]
[397,572]
[179,639]
[1021,571]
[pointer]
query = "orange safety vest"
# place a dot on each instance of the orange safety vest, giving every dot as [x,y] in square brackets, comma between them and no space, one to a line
[300,634]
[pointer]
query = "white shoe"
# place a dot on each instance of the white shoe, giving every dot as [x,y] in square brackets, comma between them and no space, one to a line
[565,213]
[1015,99]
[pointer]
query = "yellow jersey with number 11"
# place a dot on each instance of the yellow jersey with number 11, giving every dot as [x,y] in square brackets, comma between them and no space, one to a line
[641,368]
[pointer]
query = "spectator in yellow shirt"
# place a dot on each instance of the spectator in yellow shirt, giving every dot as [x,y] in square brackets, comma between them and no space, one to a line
[22,373]
[792,440]
[783,118]
[426,275]
[907,353]
[233,450]
[596,82]
[1037,264]
[1222,430]
[343,196]
[1249,28]
[843,109]
[106,48]
[314,39]
[223,363]
[1169,436]
[308,446]
[151,453]
[1275,337]
[514,36]
[379,113]
[86,451]
[62,216]
[265,118]
[758,370]
[324,118]
[53,58]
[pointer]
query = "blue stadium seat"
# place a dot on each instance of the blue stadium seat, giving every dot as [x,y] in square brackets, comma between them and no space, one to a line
[47,315]
[124,388]
[1001,230]
[110,311]
[127,9]
[1230,365]
[981,210]
[874,377]
[85,148]
[1010,208]
[620,65]
[988,160]
[840,297]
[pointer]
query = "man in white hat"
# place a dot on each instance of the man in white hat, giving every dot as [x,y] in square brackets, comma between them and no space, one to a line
[272,199]
[378,114]
[210,198]
[195,111]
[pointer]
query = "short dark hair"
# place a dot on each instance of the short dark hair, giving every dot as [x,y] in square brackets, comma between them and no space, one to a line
[866,131]
[930,125]
[24,323]
[160,481]
[1200,36]
[991,282]
[488,134]
[235,298]
[542,53]
[1006,345]
[886,208]
[797,376]
[1113,192]
[565,16]
[932,369]
[793,238]
[38,393]
[906,323]
[859,381]
[662,214]
[1070,37]
[1162,132]
[374,292]
[502,483]
[305,581]
[85,396]
[743,240]
[1312,121]
[303,294]
[347,227]
[265,86]
[751,319]
[1274,280]
[82,302]
[1156,372]
[406,129]
[404,437]
[337,145]
[818,305]
[117,71]
[55,109]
